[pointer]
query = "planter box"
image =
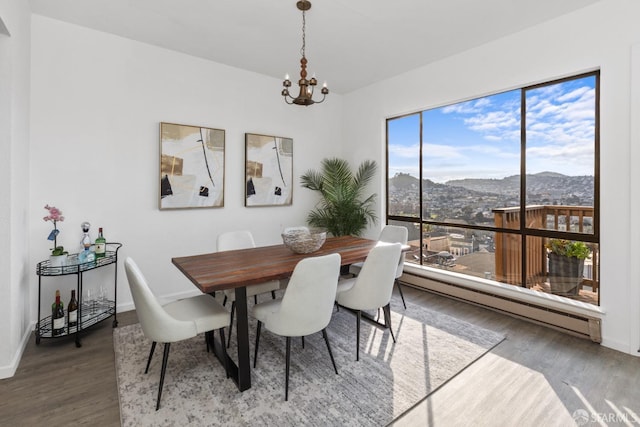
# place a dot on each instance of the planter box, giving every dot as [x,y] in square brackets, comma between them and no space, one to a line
[565,274]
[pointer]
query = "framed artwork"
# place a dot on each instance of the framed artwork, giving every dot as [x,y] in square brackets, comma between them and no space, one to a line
[191,167]
[268,170]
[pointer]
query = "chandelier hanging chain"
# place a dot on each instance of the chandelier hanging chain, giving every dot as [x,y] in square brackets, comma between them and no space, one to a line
[305,97]
[304,37]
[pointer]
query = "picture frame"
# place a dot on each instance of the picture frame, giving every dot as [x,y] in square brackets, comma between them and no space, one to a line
[268,170]
[192,167]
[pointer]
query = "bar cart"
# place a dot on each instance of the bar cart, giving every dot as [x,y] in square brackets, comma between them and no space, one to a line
[89,313]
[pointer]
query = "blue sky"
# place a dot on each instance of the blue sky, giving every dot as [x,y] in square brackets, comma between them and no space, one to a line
[481,138]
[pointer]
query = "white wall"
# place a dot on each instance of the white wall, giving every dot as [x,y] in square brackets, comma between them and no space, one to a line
[15,276]
[97,101]
[599,36]
[634,199]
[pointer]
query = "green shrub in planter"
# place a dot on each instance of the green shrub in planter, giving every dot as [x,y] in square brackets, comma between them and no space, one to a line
[568,248]
[566,265]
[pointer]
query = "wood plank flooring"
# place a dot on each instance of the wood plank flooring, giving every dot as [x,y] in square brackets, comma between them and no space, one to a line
[536,377]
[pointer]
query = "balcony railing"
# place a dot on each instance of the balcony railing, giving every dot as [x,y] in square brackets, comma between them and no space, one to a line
[508,249]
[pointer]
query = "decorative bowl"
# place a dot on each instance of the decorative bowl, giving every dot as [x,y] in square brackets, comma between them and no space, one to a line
[303,240]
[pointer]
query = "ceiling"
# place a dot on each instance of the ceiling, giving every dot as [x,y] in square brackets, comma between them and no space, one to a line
[349,44]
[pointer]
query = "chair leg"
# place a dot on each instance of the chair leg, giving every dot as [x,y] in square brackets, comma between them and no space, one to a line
[224,351]
[302,342]
[387,319]
[326,339]
[255,299]
[401,294]
[358,316]
[255,355]
[153,347]
[233,311]
[286,381]
[165,358]
[273,294]
[224,301]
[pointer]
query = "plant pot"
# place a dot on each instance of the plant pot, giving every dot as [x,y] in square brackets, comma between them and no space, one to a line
[57,260]
[565,274]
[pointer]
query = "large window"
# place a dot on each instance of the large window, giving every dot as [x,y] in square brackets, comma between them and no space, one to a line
[486,186]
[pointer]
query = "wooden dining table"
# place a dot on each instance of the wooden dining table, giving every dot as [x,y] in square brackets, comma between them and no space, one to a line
[238,269]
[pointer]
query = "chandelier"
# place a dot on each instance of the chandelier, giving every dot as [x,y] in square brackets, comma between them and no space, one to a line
[306,86]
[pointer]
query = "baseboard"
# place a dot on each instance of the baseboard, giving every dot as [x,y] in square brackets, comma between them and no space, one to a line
[163,299]
[573,317]
[9,370]
[621,347]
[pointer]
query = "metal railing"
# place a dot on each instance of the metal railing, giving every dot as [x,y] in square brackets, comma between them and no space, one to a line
[508,262]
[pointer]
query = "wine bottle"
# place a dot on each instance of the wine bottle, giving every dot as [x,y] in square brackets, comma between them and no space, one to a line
[101,244]
[72,310]
[57,316]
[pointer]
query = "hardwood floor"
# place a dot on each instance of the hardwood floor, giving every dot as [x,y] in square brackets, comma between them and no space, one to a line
[58,384]
[536,377]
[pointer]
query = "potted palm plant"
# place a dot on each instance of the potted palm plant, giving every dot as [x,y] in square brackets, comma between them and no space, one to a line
[566,265]
[342,211]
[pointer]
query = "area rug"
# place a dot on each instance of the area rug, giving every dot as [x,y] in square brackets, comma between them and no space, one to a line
[388,380]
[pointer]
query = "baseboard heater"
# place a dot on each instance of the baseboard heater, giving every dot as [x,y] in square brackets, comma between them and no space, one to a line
[574,323]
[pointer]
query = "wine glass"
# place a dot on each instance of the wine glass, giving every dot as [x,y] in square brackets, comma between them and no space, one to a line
[102,297]
[88,301]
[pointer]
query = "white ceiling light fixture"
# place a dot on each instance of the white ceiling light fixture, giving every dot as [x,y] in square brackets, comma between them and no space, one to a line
[305,97]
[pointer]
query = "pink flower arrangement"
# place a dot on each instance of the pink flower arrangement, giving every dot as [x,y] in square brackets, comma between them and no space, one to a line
[54,216]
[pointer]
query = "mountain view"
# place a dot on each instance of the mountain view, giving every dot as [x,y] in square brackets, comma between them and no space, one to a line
[474,199]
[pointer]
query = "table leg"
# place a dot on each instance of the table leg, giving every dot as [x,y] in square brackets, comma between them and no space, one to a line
[242,333]
[240,373]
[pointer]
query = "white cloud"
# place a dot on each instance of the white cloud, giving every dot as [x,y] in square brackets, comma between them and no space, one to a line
[405,151]
[468,107]
[439,151]
[576,93]
[493,121]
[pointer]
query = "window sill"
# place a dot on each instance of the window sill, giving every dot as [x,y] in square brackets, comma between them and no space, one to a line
[511,292]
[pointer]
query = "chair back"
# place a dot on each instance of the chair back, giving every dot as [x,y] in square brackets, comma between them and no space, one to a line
[395,234]
[157,324]
[307,304]
[374,284]
[233,240]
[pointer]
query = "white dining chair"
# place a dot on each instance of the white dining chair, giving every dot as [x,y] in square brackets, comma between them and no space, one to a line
[390,234]
[305,308]
[243,239]
[371,289]
[175,321]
